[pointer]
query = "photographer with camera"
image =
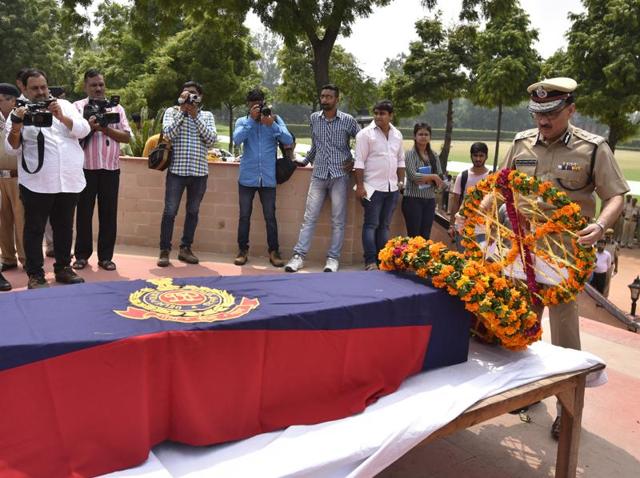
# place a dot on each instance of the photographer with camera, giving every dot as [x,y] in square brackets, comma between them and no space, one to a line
[259,133]
[109,128]
[192,131]
[49,174]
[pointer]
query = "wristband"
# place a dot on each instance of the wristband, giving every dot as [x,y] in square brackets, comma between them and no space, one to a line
[601,226]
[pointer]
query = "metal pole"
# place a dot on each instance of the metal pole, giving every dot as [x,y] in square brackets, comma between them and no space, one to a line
[633,308]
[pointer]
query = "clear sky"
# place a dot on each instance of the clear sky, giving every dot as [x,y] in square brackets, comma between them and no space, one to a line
[389,30]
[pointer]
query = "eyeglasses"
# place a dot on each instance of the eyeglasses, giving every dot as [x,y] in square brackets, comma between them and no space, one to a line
[551,115]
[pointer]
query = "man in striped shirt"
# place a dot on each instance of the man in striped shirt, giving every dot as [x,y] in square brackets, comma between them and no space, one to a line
[330,154]
[102,173]
[192,131]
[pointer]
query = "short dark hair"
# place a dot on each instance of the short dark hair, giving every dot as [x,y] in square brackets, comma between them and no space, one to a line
[92,73]
[32,73]
[21,73]
[332,87]
[384,105]
[191,83]
[479,148]
[255,95]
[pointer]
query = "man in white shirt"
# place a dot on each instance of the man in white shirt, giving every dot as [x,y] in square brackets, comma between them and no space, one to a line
[465,180]
[379,167]
[50,174]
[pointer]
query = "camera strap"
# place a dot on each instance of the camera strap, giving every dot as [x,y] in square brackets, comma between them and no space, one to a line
[40,141]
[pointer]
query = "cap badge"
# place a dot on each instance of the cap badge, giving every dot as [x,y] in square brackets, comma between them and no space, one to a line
[541,92]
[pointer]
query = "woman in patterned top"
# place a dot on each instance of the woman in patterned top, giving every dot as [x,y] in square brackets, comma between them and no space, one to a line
[424,174]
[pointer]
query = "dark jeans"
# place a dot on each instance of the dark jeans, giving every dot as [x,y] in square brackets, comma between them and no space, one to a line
[598,281]
[59,208]
[418,215]
[377,217]
[268,201]
[102,184]
[196,186]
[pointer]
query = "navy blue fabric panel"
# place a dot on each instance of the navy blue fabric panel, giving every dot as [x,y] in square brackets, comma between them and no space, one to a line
[40,324]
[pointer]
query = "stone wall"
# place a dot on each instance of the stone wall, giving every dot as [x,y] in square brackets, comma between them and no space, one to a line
[141,203]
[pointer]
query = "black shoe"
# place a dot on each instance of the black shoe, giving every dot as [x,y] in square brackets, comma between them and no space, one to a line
[50,253]
[185,255]
[555,428]
[4,284]
[163,260]
[7,267]
[276,259]
[68,276]
[79,264]
[107,265]
[37,281]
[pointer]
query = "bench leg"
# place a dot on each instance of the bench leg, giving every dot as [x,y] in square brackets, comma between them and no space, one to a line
[572,402]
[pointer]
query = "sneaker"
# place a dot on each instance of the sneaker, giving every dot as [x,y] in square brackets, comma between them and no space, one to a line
[331,265]
[185,255]
[241,259]
[68,276]
[163,260]
[276,259]
[372,266]
[295,263]
[37,281]
[4,284]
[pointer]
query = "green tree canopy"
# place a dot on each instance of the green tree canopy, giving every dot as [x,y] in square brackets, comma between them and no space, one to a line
[604,58]
[318,21]
[296,63]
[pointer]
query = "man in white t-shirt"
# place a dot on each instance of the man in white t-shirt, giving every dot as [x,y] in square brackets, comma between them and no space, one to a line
[465,180]
[603,264]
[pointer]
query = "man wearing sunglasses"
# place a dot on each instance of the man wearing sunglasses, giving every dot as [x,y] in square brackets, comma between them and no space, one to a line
[577,162]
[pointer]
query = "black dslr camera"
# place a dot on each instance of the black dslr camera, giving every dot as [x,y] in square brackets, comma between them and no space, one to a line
[192,99]
[265,110]
[37,113]
[98,108]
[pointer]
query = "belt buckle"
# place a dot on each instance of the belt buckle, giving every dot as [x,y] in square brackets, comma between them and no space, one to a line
[5,173]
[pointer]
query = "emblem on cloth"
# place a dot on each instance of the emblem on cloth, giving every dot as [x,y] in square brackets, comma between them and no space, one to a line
[541,92]
[187,303]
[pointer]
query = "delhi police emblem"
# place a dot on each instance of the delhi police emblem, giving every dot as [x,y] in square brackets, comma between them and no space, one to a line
[186,303]
[541,92]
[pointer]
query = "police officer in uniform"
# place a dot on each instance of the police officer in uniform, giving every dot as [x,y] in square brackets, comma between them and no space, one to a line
[577,162]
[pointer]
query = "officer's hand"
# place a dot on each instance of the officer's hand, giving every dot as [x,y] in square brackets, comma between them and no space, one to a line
[452,232]
[254,112]
[590,234]
[56,110]
[266,120]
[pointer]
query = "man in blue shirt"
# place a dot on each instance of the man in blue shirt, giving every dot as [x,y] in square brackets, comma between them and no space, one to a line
[259,133]
[192,131]
[330,154]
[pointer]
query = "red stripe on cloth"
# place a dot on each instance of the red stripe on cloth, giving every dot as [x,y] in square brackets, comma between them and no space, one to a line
[103,408]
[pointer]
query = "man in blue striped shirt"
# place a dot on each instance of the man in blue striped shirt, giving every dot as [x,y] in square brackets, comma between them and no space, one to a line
[192,132]
[330,154]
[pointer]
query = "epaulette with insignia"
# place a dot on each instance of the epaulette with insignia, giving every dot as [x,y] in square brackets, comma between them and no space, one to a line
[526,134]
[587,136]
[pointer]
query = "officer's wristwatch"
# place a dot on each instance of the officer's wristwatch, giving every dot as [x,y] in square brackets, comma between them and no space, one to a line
[601,225]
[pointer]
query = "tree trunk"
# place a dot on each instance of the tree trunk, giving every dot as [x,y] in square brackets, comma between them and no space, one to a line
[495,157]
[613,138]
[321,54]
[448,130]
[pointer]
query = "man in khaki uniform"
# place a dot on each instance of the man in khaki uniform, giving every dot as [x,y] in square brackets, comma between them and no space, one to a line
[578,162]
[11,212]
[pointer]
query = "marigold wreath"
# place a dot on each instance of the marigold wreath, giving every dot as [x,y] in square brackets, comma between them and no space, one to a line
[501,302]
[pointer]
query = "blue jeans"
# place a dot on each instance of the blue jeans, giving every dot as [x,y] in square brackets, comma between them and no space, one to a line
[418,215]
[318,189]
[175,186]
[377,217]
[268,200]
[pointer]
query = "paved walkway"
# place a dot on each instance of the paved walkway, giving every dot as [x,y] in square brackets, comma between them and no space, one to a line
[505,446]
